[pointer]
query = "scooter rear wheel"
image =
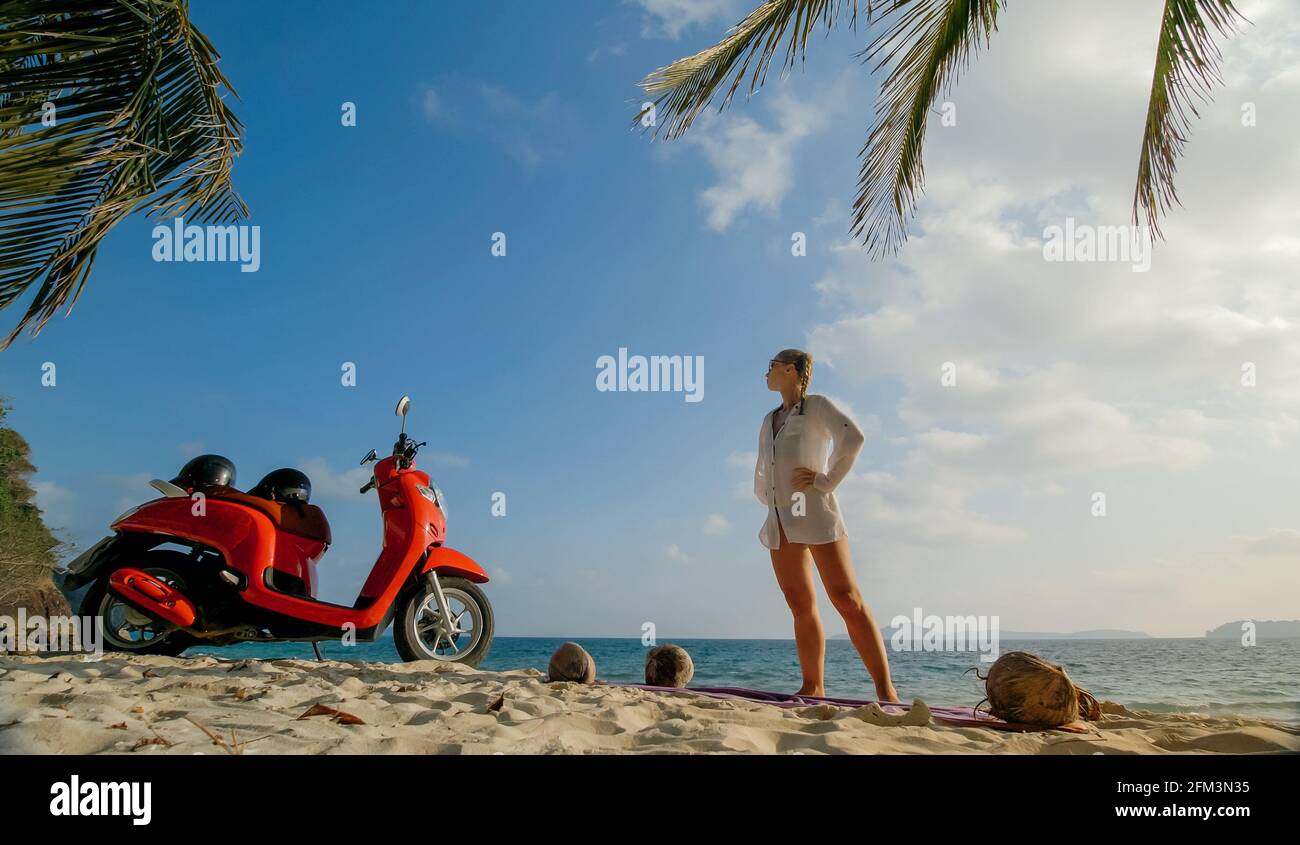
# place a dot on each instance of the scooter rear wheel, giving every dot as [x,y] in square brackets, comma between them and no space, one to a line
[421,634]
[123,628]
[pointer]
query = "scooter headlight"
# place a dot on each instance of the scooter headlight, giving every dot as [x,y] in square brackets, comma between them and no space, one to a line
[433,494]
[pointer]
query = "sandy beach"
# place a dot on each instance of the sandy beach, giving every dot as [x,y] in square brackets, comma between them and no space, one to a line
[161,705]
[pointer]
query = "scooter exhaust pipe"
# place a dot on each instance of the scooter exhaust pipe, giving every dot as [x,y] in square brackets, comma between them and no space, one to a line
[153,596]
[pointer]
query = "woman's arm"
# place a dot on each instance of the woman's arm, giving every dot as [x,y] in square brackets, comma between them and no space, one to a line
[847,439]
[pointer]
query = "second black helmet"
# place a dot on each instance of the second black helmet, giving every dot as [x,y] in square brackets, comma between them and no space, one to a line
[284,485]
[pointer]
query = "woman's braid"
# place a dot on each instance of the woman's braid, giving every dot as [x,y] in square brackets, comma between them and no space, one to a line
[805,376]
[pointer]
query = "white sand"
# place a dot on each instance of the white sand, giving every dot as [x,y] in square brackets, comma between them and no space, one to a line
[162,705]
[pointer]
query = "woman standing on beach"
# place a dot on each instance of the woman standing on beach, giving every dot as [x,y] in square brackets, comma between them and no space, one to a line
[803,517]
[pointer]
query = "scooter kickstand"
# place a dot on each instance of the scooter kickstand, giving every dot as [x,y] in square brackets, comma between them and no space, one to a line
[315,646]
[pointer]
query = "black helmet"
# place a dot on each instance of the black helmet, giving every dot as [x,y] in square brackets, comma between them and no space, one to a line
[284,485]
[206,471]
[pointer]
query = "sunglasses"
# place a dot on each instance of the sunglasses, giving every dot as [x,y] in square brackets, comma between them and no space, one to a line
[774,362]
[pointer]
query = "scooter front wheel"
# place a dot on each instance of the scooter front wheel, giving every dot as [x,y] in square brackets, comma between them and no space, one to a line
[464,637]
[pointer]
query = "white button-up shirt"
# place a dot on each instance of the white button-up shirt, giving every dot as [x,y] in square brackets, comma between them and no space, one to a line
[812,515]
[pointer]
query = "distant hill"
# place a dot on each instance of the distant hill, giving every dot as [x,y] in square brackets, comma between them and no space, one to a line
[1264,629]
[1098,634]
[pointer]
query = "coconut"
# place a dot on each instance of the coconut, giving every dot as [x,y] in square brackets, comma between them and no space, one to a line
[668,666]
[1022,687]
[571,662]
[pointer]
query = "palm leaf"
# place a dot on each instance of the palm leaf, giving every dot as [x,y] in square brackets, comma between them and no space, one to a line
[141,125]
[686,87]
[1186,70]
[924,43]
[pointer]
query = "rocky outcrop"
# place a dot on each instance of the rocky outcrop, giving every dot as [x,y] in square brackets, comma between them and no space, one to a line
[39,600]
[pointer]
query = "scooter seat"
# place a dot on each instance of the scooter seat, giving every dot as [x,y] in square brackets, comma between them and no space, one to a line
[304,520]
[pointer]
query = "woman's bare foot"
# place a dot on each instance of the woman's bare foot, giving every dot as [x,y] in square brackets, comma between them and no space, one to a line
[819,692]
[890,695]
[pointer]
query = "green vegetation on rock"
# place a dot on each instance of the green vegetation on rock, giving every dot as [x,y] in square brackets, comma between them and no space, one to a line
[27,546]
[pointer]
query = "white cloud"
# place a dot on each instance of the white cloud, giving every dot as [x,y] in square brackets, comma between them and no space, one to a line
[1282,542]
[869,423]
[56,503]
[755,163]
[532,129]
[1202,591]
[130,490]
[716,523]
[331,483]
[670,18]
[431,104]
[674,552]
[612,50]
[743,464]
[742,459]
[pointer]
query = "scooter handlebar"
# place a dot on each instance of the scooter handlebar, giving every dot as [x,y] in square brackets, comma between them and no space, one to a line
[404,450]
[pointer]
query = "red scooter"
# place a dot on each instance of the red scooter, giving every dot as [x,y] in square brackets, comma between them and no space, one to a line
[246,571]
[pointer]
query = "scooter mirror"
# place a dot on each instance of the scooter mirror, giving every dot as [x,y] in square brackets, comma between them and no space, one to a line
[403,405]
[370,456]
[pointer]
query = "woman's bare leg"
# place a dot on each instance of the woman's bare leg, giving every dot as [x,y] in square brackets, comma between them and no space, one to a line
[835,565]
[794,575]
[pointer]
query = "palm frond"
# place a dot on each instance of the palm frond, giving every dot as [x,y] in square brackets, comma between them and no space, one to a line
[1186,70]
[686,87]
[924,43]
[141,125]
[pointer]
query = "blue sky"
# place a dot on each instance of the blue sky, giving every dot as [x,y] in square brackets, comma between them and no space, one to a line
[624,508]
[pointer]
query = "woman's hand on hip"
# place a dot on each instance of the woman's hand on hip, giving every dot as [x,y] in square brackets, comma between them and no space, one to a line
[803,478]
